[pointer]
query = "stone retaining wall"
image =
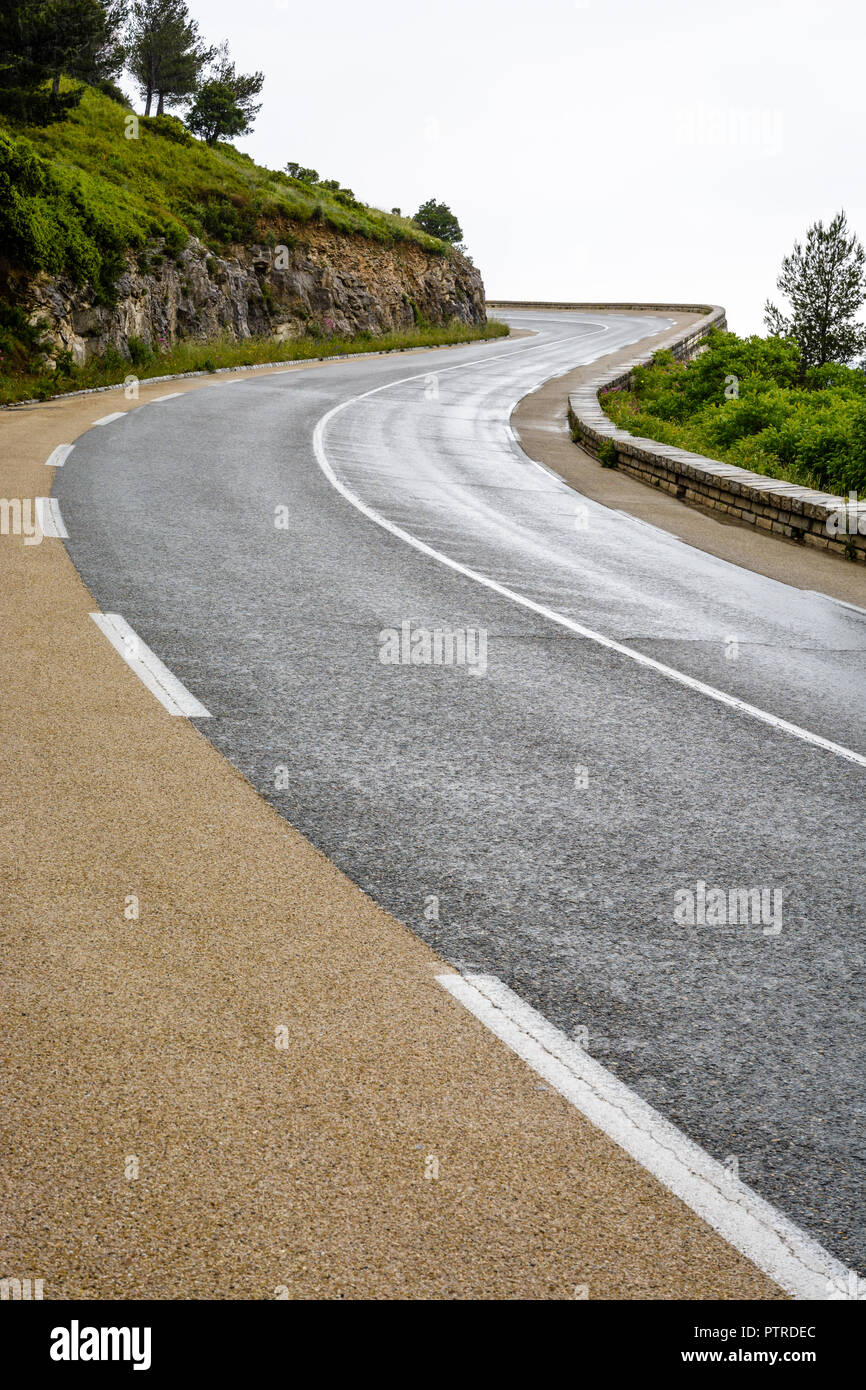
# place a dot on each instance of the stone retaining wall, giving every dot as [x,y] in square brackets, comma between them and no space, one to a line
[814,518]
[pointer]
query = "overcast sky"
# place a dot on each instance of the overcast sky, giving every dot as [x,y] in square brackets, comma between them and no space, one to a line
[592,149]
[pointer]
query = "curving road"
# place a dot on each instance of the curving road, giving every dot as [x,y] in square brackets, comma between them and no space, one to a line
[650,718]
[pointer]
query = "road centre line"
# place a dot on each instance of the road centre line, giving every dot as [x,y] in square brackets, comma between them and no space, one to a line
[796,1262]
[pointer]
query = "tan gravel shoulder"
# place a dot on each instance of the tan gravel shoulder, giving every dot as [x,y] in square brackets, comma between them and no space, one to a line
[156,1142]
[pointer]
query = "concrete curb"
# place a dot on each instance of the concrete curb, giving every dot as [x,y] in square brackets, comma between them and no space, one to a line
[798,513]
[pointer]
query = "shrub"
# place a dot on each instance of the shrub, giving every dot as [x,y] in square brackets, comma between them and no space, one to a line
[64,366]
[141,354]
[21,342]
[168,128]
[50,220]
[175,238]
[748,402]
[226,221]
[113,92]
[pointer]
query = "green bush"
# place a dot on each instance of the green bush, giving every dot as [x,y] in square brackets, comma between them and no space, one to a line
[225,221]
[175,238]
[113,92]
[64,366]
[21,343]
[168,127]
[607,455]
[140,352]
[53,220]
[112,361]
[749,402]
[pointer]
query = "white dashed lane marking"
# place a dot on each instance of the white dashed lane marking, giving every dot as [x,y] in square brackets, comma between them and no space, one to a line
[147,666]
[49,518]
[58,456]
[796,1262]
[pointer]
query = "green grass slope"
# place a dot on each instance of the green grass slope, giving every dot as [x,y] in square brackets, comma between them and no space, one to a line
[75,196]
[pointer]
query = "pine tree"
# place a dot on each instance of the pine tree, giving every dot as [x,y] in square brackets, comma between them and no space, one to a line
[439,220]
[165,51]
[85,35]
[28,61]
[224,105]
[825,282]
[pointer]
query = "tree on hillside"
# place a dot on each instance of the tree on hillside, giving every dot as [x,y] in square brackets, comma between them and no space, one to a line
[214,114]
[438,220]
[224,105]
[28,62]
[165,52]
[297,171]
[85,37]
[825,282]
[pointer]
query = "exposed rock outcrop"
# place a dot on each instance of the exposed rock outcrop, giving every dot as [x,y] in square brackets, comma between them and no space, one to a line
[315,280]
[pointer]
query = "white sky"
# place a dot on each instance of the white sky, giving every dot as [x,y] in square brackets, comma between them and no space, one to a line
[592,149]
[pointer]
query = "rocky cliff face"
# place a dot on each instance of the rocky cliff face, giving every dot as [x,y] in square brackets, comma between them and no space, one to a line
[314,281]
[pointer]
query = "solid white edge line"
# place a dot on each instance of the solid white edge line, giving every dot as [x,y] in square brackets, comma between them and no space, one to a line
[841,602]
[796,1262]
[107,419]
[58,456]
[49,519]
[669,672]
[147,666]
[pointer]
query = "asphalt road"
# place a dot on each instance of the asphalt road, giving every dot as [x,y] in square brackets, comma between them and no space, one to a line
[535,822]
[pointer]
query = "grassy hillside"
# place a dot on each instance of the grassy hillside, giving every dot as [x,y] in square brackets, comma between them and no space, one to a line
[77,196]
[750,403]
[74,196]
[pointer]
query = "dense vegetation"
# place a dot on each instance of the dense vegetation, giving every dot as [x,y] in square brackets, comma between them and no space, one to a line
[74,195]
[753,402]
[77,194]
